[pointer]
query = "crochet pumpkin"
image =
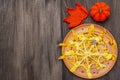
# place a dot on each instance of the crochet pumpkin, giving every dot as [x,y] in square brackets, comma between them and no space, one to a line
[100,11]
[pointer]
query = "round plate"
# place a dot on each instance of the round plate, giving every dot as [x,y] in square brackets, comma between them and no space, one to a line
[81,72]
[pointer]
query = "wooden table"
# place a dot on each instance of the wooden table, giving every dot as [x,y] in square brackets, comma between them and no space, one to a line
[30,31]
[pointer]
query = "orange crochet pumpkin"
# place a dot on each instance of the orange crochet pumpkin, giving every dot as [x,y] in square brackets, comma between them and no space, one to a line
[100,11]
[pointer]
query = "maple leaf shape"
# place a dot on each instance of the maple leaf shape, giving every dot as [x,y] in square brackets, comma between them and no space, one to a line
[77,15]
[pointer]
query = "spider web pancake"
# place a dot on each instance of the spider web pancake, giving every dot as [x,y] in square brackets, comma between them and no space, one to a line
[89,51]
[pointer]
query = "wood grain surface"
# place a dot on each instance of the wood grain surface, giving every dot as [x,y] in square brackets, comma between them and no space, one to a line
[30,31]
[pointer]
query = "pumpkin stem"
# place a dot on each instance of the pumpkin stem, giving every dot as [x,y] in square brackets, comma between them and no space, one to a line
[101,10]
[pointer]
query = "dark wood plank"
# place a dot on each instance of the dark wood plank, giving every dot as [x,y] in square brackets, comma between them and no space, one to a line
[46,64]
[112,24]
[30,31]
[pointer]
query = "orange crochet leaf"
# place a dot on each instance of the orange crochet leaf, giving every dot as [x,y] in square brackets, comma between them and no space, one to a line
[76,16]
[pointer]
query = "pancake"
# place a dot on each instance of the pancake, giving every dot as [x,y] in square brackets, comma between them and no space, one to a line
[89,51]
